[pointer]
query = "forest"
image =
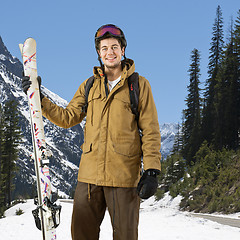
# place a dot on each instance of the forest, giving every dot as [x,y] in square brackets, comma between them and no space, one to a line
[204,167]
[10,136]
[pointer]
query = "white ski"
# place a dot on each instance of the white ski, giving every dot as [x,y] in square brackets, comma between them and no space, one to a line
[47,213]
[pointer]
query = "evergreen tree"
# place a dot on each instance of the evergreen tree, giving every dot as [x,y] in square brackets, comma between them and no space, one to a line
[10,146]
[178,139]
[237,37]
[177,145]
[209,111]
[227,100]
[192,124]
[2,175]
[236,41]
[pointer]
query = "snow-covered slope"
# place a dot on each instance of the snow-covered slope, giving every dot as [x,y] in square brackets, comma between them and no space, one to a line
[158,220]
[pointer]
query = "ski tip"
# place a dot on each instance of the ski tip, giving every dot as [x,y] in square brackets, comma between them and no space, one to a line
[27,43]
[30,39]
[21,48]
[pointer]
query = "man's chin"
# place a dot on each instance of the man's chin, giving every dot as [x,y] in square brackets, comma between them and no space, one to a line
[112,66]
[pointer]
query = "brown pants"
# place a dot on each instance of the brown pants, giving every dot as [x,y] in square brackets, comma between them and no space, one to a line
[90,203]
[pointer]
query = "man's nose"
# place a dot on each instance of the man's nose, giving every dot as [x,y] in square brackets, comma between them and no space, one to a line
[110,51]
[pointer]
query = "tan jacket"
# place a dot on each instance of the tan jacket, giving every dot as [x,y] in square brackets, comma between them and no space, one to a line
[112,148]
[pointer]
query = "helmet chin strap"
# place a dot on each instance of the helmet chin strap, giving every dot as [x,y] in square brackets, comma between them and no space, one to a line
[124,60]
[105,76]
[101,64]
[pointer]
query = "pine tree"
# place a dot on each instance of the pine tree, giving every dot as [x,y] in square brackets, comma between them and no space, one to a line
[192,124]
[177,145]
[236,41]
[10,147]
[226,100]
[237,37]
[174,168]
[178,139]
[2,175]
[215,58]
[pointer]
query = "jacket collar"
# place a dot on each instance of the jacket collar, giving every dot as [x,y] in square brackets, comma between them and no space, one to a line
[128,70]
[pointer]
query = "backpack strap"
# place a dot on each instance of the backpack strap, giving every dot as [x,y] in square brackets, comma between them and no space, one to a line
[88,86]
[134,93]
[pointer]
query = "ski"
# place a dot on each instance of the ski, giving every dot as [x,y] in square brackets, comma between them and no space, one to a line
[47,213]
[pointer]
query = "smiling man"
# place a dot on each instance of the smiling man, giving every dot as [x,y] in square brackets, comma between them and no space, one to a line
[114,153]
[111,54]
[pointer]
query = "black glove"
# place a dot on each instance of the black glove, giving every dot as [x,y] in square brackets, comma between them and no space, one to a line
[26,83]
[148,183]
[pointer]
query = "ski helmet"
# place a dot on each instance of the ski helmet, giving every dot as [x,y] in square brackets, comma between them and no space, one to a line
[107,31]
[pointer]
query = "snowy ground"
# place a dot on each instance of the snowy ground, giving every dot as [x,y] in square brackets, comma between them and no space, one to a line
[158,221]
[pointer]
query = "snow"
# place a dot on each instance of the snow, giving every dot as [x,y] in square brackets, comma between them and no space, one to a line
[168,132]
[3,57]
[160,220]
[57,99]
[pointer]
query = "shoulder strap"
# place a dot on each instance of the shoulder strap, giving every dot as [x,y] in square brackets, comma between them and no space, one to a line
[88,86]
[134,93]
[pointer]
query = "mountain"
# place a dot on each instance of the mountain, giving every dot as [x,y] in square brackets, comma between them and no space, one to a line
[64,143]
[168,132]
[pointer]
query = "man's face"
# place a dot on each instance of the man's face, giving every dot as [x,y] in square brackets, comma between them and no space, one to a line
[110,52]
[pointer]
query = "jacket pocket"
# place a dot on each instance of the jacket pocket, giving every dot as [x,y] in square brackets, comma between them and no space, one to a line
[87,148]
[93,103]
[94,96]
[126,148]
[123,150]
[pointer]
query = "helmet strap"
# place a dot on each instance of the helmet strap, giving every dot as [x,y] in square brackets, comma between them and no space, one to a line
[101,64]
